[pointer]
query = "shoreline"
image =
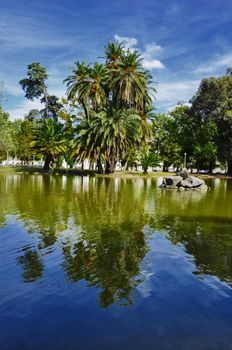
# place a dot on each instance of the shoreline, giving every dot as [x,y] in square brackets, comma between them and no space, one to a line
[121,174]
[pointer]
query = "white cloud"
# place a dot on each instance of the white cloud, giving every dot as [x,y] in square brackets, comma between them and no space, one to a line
[217,63]
[152,64]
[23,108]
[128,42]
[170,93]
[153,48]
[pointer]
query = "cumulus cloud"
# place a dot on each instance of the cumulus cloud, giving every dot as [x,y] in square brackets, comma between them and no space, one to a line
[153,64]
[128,42]
[170,93]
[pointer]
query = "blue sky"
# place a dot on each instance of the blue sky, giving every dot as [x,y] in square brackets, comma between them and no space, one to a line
[181,41]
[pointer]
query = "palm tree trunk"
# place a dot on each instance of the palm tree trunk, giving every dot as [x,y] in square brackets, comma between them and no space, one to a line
[47,162]
[99,166]
[85,110]
[107,167]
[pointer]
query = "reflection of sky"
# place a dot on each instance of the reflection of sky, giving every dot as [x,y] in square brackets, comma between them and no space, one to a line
[168,270]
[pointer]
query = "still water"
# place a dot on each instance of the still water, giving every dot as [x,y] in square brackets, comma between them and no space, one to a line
[100,263]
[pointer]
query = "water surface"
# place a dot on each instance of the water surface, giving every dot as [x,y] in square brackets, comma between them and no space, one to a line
[101,263]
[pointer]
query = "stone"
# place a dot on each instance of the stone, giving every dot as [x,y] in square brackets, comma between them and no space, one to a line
[195,181]
[186,184]
[184,181]
[203,187]
[173,180]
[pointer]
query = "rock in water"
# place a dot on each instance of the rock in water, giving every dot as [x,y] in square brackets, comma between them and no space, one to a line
[184,181]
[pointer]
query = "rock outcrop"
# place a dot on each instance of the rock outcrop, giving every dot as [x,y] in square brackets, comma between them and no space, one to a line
[183,181]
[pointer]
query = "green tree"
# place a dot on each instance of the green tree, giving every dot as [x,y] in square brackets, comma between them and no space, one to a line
[22,133]
[213,103]
[148,158]
[110,93]
[164,136]
[130,82]
[35,84]
[6,141]
[49,140]
[110,134]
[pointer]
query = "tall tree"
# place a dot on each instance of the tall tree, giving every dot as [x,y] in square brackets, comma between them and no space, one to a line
[6,141]
[109,134]
[35,84]
[213,102]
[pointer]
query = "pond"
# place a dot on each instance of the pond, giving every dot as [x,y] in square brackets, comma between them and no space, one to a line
[101,263]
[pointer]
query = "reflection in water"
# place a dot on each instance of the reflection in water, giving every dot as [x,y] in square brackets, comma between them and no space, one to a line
[31,264]
[99,223]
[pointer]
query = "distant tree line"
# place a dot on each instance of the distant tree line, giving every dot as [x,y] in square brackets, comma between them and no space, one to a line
[108,117]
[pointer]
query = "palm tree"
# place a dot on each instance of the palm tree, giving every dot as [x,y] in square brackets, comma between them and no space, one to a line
[93,87]
[110,134]
[131,82]
[80,72]
[49,140]
[113,54]
[148,158]
[87,85]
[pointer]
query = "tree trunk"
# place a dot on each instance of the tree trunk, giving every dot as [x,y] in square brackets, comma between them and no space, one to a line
[99,166]
[107,167]
[46,103]
[210,167]
[229,167]
[165,167]
[145,172]
[112,165]
[47,162]
[85,110]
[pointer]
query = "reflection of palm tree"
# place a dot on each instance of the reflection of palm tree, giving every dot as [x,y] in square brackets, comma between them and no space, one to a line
[31,264]
[110,262]
[99,223]
[112,244]
[109,216]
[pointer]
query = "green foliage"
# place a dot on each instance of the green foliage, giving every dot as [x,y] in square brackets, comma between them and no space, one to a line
[165,142]
[6,142]
[148,158]
[49,140]
[108,117]
[212,104]
[34,85]
[22,132]
[109,134]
